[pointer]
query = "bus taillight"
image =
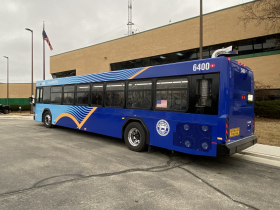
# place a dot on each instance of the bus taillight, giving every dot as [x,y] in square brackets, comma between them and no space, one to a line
[212,65]
[253,125]
[227,128]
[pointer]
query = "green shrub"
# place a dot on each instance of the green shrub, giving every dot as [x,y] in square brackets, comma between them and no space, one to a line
[25,107]
[14,107]
[269,109]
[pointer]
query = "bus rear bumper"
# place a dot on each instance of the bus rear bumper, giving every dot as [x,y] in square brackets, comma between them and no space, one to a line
[236,146]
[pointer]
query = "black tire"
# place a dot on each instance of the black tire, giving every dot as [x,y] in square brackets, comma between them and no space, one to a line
[47,119]
[6,111]
[135,137]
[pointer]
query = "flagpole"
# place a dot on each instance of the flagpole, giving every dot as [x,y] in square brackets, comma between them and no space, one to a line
[43,52]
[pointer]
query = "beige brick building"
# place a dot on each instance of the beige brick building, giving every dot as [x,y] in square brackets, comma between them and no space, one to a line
[221,28]
[18,93]
[257,47]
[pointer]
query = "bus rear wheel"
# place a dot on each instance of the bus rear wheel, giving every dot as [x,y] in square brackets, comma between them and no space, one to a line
[47,119]
[135,137]
[6,111]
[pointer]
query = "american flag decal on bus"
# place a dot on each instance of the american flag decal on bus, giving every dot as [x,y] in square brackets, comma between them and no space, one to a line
[161,103]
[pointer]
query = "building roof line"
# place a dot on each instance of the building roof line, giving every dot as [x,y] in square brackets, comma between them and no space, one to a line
[154,28]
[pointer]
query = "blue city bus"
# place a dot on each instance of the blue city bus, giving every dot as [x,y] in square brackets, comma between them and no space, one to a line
[202,107]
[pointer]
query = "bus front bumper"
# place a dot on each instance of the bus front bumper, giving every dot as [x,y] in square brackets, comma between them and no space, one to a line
[236,146]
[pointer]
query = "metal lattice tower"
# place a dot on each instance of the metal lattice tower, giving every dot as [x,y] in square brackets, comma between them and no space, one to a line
[129,23]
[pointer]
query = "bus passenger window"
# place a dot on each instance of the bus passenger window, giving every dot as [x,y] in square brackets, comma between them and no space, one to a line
[46,95]
[83,94]
[56,94]
[139,95]
[171,94]
[114,96]
[97,94]
[69,94]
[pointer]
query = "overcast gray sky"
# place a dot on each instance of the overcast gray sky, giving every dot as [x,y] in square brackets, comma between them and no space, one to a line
[74,24]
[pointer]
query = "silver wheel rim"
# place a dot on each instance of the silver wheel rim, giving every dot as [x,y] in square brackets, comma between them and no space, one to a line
[134,137]
[48,119]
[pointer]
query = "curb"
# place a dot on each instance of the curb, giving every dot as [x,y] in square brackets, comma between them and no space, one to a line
[29,117]
[261,155]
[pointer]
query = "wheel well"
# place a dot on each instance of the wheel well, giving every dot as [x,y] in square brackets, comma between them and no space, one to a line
[45,110]
[130,120]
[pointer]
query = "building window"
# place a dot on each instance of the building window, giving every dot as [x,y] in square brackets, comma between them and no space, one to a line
[64,74]
[243,47]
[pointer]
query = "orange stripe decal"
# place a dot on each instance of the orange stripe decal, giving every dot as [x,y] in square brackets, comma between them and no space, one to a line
[139,72]
[79,125]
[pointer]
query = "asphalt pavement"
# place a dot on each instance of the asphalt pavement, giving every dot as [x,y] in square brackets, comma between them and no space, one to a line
[61,168]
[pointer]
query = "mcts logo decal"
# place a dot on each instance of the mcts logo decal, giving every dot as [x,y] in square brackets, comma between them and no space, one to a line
[162,127]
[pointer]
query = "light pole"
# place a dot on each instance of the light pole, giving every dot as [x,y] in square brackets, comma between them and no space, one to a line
[7,79]
[31,66]
[201,32]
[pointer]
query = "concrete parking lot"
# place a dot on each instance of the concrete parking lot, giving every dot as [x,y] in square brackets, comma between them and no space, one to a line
[60,168]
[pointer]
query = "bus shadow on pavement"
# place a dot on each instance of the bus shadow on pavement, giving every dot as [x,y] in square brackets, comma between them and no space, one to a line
[206,162]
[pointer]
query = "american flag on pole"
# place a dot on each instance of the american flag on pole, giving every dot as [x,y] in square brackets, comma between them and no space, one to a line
[161,103]
[45,37]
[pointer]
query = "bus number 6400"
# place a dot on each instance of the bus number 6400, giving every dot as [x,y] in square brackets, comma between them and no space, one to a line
[201,66]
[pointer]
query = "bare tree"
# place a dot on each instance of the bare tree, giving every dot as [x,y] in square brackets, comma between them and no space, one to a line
[262,12]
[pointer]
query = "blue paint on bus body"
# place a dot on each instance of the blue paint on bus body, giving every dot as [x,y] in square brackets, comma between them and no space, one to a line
[187,132]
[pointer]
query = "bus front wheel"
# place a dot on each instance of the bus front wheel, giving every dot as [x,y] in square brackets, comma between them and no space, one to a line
[47,119]
[135,137]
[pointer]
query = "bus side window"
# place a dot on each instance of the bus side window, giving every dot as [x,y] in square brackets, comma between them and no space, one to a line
[114,95]
[83,94]
[172,94]
[46,95]
[56,94]
[97,94]
[69,94]
[139,95]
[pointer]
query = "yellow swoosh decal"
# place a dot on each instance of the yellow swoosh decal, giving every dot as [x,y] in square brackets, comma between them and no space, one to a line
[139,72]
[79,125]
